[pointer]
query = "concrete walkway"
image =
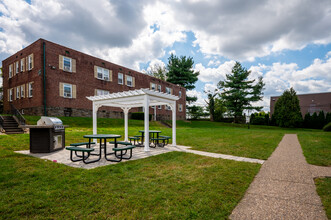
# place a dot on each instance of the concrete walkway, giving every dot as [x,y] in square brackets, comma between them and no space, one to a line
[283,189]
[216,155]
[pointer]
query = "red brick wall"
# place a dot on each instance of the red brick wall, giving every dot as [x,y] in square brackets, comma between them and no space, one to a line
[315,102]
[83,78]
[23,78]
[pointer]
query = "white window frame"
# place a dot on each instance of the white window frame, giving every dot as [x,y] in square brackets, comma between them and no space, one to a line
[159,88]
[104,73]
[17,69]
[10,95]
[160,107]
[30,62]
[153,86]
[64,67]
[180,94]
[18,92]
[22,91]
[22,65]
[10,71]
[120,77]
[102,92]
[129,82]
[167,107]
[180,107]
[168,90]
[66,95]
[30,90]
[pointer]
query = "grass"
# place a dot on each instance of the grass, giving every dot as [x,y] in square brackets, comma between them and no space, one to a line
[316,147]
[323,186]
[173,185]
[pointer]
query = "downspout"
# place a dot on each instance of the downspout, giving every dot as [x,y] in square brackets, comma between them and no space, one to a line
[44,77]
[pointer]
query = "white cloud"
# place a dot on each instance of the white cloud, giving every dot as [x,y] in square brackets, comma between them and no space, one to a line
[172,52]
[214,74]
[243,30]
[200,95]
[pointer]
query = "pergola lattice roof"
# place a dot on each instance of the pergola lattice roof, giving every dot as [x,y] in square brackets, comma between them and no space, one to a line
[133,98]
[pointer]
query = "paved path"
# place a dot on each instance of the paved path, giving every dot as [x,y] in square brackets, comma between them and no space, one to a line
[283,189]
[216,155]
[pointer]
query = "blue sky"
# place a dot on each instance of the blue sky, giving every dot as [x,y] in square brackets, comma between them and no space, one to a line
[288,43]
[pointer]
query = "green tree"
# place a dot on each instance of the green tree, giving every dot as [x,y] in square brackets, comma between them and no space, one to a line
[195,112]
[328,118]
[1,92]
[158,72]
[211,103]
[287,110]
[307,120]
[321,120]
[180,71]
[239,92]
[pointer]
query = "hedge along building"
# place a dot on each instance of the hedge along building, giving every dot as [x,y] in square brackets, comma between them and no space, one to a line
[49,79]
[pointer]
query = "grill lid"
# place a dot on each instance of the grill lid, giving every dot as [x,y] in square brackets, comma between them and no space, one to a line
[49,121]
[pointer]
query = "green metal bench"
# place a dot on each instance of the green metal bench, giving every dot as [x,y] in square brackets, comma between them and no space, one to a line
[166,137]
[134,139]
[83,157]
[81,144]
[156,142]
[122,151]
[121,143]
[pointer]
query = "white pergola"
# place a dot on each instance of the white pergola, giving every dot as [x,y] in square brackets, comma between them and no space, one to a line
[135,98]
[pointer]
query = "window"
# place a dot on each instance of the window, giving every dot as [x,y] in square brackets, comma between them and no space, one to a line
[102,92]
[129,81]
[120,78]
[159,88]
[102,73]
[67,90]
[67,64]
[22,91]
[10,95]
[153,86]
[18,92]
[30,62]
[180,107]
[17,67]
[167,107]
[160,106]
[180,94]
[22,65]
[168,90]
[30,89]
[10,70]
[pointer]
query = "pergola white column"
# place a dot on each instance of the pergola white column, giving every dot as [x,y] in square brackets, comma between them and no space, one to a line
[173,108]
[146,119]
[126,124]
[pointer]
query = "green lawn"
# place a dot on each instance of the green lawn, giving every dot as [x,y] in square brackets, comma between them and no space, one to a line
[323,186]
[316,147]
[173,185]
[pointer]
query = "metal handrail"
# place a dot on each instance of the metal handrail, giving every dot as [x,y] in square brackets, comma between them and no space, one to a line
[18,114]
[1,121]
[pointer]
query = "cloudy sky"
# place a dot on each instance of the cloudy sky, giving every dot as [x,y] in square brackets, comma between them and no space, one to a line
[286,42]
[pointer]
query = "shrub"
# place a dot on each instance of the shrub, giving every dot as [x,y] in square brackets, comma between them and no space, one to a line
[139,116]
[327,127]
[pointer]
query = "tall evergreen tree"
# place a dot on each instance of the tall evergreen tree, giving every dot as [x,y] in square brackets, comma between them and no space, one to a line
[287,110]
[180,71]
[239,92]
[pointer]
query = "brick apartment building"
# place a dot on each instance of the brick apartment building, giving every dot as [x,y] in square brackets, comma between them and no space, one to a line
[314,102]
[45,78]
